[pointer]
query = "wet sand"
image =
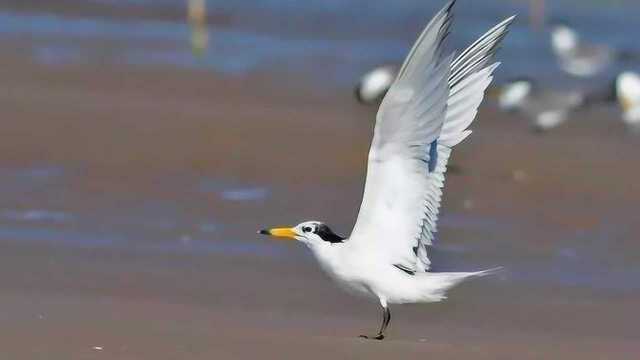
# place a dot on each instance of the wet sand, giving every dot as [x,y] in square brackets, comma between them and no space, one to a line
[558,211]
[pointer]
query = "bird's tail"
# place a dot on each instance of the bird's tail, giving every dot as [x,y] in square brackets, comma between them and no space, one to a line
[434,286]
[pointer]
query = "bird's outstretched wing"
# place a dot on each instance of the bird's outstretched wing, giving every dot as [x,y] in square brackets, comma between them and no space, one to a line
[425,113]
[471,74]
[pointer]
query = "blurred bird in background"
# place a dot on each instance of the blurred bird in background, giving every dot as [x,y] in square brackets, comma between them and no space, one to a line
[627,87]
[580,58]
[545,108]
[549,108]
[374,85]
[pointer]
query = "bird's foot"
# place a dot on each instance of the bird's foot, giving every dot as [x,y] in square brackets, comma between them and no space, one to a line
[376,337]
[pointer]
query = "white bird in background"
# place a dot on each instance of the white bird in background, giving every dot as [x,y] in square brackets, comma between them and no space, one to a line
[582,59]
[423,116]
[627,89]
[623,91]
[373,86]
[545,108]
[548,108]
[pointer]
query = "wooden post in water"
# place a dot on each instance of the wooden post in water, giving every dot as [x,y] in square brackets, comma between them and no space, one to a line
[197,18]
[537,14]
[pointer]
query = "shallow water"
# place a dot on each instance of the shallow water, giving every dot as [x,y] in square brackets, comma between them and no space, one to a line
[289,36]
[51,203]
[45,204]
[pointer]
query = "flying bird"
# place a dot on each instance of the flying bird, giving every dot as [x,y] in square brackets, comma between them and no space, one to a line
[425,113]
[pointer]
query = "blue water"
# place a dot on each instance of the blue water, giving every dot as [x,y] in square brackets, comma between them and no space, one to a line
[43,205]
[47,204]
[333,41]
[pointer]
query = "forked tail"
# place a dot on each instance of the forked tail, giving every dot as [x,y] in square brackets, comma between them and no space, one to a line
[434,286]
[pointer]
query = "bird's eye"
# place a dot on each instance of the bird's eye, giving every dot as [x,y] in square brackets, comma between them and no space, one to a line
[306,229]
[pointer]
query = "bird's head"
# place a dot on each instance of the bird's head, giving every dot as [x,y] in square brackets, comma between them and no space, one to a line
[308,232]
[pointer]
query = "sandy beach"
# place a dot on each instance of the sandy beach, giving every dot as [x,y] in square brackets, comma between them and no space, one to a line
[130,198]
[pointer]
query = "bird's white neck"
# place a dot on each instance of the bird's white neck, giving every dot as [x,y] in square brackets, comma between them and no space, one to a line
[328,255]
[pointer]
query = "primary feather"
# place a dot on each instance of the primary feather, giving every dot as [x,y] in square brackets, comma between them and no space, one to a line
[425,113]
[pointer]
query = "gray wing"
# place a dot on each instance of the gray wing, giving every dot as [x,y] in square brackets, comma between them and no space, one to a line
[425,113]
[587,60]
[410,118]
[471,74]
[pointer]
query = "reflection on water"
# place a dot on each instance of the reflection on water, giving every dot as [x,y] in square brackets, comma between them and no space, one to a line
[149,224]
[130,242]
[244,194]
[232,190]
[46,204]
[36,216]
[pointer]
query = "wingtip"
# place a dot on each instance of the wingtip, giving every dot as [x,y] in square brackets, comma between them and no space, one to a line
[447,9]
[450,5]
[506,23]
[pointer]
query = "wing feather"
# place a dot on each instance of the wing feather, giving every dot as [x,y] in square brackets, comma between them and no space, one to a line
[409,120]
[466,94]
[425,113]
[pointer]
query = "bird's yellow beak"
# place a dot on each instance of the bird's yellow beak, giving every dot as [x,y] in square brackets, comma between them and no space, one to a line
[286,233]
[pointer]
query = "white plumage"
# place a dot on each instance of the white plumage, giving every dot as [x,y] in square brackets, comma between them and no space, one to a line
[425,113]
[627,86]
[374,84]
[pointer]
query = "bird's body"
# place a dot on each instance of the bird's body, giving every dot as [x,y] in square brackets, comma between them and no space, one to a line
[373,277]
[549,108]
[425,113]
[545,108]
[627,91]
[582,59]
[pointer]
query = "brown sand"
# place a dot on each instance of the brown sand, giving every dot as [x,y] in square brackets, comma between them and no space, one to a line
[129,126]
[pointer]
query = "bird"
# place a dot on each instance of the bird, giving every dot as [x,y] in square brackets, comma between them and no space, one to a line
[374,84]
[627,86]
[425,113]
[623,90]
[545,108]
[582,59]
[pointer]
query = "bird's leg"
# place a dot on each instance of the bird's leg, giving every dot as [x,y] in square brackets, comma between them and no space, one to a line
[386,318]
